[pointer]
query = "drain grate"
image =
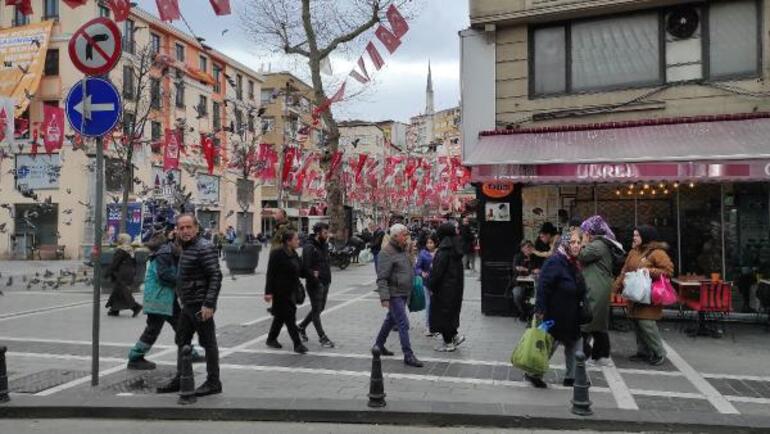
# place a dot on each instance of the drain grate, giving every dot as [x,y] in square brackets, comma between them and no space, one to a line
[43,380]
[141,384]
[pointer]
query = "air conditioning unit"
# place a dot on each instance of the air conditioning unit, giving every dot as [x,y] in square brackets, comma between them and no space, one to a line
[684,44]
[683,22]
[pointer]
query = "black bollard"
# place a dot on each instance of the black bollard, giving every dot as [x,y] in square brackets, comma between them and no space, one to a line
[581,403]
[186,378]
[376,385]
[3,377]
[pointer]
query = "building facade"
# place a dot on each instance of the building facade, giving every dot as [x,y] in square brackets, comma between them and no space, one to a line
[168,81]
[646,112]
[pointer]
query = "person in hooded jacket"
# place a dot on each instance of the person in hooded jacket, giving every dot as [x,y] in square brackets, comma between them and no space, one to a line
[560,292]
[446,286]
[596,260]
[650,253]
[122,271]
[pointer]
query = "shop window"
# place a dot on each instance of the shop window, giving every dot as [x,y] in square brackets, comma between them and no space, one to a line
[52,62]
[50,9]
[155,42]
[747,236]
[733,38]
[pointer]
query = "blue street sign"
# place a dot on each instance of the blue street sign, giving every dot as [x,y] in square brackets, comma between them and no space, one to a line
[97,113]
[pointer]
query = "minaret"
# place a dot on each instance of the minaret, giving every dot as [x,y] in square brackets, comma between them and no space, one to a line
[429,108]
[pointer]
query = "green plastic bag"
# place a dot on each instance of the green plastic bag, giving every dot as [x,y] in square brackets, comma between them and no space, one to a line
[417,297]
[533,353]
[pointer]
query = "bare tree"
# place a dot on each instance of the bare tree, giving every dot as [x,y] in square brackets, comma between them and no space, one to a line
[313,30]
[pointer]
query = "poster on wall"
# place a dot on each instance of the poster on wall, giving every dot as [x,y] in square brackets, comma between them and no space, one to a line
[498,212]
[165,184]
[133,221]
[208,188]
[40,172]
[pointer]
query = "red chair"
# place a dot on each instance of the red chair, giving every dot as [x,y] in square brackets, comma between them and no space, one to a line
[713,303]
[618,302]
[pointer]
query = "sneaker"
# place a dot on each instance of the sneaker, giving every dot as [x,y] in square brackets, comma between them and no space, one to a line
[209,388]
[657,360]
[327,343]
[639,357]
[273,344]
[170,387]
[458,339]
[302,334]
[569,382]
[141,364]
[413,362]
[535,381]
[446,348]
[300,349]
[113,313]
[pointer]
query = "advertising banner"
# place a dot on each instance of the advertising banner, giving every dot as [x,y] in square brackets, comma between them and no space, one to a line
[208,188]
[39,172]
[133,220]
[23,51]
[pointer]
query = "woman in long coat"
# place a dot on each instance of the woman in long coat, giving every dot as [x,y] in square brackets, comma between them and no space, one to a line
[560,291]
[446,287]
[122,271]
[284,269]
[650,253]
[596,261]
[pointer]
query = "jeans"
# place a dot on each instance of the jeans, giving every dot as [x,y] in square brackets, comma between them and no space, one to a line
[396,316]
[570,349]
[375,255]
[189,324]
[284,312]
[648,340]
[318,298]
[599,348]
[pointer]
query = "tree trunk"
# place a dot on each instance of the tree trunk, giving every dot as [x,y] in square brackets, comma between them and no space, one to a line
[127,182]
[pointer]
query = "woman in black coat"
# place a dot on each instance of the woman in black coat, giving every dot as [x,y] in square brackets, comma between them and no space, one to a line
[122,271]
[446,287]
[284,269]
[560,291]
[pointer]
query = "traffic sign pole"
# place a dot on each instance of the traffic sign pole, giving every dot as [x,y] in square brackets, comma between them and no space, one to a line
[97,262]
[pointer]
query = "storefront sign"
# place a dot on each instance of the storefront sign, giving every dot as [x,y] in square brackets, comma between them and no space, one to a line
[133,220]
[497,189]
[39,172]
[607,171]
[208,188]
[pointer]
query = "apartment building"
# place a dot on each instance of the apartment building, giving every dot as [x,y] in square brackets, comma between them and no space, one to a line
[190,87]
[646,112]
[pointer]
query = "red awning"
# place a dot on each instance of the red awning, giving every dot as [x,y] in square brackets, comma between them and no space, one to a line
[704,138]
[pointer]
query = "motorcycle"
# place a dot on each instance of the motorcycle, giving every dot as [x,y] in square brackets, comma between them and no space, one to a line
[340,257]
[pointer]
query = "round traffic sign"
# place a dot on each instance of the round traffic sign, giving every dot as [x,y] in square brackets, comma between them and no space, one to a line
[95,47]
[93,108]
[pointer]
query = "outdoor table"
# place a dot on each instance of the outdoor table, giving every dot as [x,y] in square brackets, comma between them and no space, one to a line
[688,287]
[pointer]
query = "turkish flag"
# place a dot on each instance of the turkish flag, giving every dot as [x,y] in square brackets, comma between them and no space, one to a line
[359,168]
[53,128]
[209,152]
[171,150]
[288,163]
[221,7]
[75,3]
[120,8]
[168,10]
[25,6]
[334,165]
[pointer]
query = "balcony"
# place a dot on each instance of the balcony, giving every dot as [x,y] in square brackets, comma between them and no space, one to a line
[519,11]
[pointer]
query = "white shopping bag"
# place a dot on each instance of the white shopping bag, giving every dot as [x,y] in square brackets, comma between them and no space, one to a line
[365,256]
[637,286]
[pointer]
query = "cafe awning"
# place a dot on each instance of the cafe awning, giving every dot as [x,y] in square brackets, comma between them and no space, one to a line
[701,138]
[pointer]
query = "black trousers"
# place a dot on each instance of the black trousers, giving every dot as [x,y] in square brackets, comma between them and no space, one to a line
[155,324]
[284,312]
[318,297]
[190,324]
[600,348]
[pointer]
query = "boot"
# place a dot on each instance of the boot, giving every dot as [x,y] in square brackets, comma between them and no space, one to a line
[300,349]
[326,342]
[141,364]
[210,387]
[170,387]
[413,362]
[137,309]
[302,334]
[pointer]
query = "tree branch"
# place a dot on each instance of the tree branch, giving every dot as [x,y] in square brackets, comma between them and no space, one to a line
[375,18]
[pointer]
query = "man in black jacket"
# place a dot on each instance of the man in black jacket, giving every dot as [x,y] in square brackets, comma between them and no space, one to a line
[199,280]
[315,260]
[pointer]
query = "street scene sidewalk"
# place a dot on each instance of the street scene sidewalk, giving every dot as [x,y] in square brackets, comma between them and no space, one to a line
[48,338]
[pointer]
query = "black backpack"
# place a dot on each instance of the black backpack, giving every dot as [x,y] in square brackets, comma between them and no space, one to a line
[618,256]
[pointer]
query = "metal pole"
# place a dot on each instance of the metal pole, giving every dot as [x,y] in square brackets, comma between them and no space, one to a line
[679,231]
[97,263]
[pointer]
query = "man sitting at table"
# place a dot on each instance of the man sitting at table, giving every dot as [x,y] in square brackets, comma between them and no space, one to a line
[524,264]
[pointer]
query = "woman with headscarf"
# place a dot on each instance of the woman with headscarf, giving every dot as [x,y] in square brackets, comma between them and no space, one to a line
[560,291]
[423,268]
[650,253]
[122,271]
[596,262]
[446,287]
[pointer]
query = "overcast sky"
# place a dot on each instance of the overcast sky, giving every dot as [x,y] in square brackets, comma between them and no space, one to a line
[399,89]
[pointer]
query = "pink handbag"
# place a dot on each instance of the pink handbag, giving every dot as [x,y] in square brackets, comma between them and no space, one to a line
[662,292]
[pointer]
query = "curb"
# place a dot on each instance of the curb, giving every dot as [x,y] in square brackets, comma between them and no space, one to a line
[405,413]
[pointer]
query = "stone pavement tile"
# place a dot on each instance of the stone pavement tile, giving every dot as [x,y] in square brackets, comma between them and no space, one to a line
[752,409]
[655,382]
[667,404]
[749,388]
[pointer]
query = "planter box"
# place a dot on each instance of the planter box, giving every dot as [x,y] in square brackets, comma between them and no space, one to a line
[241,258]
[105,259]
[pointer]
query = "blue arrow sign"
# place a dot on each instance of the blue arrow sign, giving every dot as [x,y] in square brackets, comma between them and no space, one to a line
[97,113]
